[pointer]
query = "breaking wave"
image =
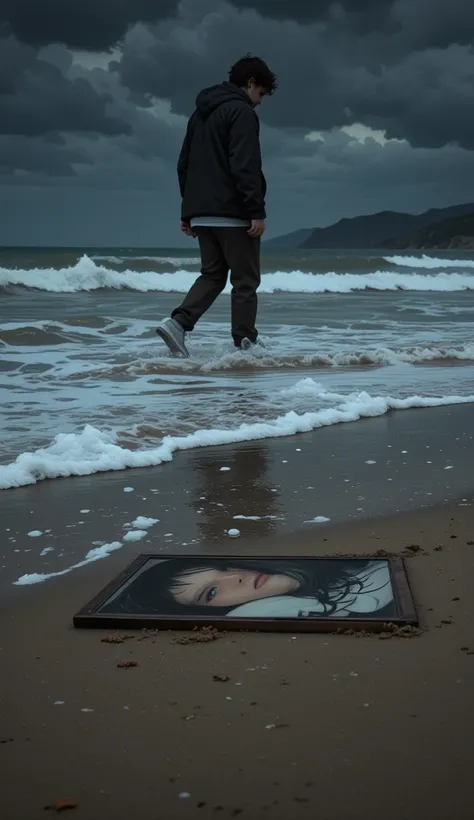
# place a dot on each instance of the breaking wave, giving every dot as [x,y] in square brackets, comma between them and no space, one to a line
[428,262]
[86,275]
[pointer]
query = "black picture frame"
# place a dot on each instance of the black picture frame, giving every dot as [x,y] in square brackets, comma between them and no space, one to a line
[90,616]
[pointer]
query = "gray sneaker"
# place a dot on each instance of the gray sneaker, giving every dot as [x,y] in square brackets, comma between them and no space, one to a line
[173,335]
[247,344]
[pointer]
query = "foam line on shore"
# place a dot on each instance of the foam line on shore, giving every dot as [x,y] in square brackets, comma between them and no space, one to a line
[93,451]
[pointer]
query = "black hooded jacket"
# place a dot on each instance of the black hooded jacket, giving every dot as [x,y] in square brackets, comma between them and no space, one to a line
[220,164]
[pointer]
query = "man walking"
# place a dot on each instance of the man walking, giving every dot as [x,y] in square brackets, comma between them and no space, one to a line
[223,201]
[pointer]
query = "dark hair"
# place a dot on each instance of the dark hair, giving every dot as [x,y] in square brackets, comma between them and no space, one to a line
[253,68]
[150,593]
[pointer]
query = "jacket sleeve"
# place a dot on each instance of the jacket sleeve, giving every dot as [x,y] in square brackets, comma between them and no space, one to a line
[245,161]
[184,156]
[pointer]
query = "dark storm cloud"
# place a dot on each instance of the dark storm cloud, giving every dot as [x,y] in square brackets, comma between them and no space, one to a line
[433,23]
[427,98]
[422,22]
[362,14]
[150,132]
[63,116]
[394,79]
[106,138]
[94,25]
[400,65]
[20,155]
[37,98]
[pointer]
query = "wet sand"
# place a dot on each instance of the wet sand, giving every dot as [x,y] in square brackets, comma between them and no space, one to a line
[363,727]
[399,462]
[359,727]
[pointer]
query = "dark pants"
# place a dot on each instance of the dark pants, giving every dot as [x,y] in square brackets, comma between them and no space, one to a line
[223,249]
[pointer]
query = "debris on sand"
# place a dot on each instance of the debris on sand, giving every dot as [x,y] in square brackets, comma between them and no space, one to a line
[414,548]
[389,631]
[116,638]
[203,634]
[407,552]
[61,805]
[221,678]
[394,631]
[147,635]
[126,664]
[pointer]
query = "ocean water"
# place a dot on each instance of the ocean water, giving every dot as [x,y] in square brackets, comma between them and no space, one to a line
[87,386]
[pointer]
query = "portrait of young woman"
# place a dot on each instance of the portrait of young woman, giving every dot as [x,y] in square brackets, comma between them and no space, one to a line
[258,588]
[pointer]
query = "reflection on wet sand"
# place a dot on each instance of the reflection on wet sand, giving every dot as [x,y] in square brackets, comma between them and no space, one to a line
[244,490]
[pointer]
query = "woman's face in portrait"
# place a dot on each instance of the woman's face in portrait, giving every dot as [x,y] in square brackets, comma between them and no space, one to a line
[231,587]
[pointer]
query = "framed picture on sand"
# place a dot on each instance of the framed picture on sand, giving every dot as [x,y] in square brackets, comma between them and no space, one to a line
[262,594]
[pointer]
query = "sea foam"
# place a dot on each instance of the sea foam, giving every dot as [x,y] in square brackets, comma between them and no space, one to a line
[93,555]
[94,451]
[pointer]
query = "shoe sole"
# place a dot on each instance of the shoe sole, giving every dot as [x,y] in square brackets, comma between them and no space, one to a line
[170,342]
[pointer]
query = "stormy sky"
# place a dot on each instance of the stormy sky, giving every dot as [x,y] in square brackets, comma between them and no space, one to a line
[373,111]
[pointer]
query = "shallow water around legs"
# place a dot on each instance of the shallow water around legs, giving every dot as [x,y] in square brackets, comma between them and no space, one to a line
[351,336]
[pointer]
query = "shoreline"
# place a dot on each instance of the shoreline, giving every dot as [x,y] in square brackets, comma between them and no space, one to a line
[271,488]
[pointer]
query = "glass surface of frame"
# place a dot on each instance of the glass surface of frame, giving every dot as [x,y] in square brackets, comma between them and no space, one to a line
[258,593]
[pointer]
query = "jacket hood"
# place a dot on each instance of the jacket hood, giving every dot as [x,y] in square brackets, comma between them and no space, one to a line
[211,98]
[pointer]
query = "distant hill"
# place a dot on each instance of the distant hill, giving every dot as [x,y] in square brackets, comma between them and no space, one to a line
[371,231]
[289,240]
[457,232]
